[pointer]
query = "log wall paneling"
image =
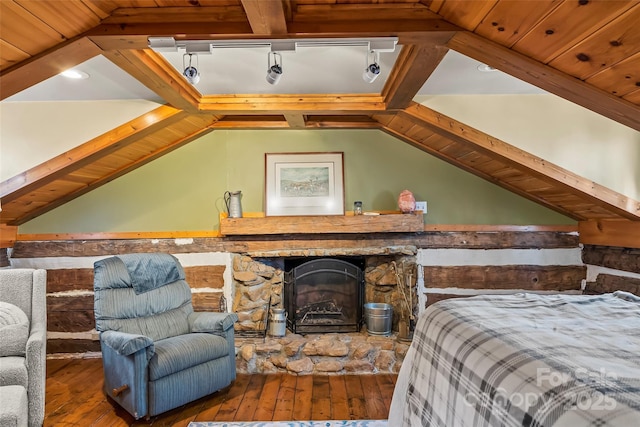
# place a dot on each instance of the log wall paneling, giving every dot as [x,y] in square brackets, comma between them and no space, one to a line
[624,259]
[525,277]
[70,313]
[606,283]
[57,345]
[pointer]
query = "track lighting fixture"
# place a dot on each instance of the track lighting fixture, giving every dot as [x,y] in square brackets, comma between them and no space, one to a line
[372,71]
[274,72]
[190,71]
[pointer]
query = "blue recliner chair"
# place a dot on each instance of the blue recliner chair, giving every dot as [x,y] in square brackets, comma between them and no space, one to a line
[157,353]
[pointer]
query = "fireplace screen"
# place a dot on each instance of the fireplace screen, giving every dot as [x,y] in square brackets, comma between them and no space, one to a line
[324,295]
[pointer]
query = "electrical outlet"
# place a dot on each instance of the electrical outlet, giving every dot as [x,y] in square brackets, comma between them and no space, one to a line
[421,206]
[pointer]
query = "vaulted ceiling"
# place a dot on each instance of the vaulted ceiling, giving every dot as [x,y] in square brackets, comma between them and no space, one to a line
[587,52]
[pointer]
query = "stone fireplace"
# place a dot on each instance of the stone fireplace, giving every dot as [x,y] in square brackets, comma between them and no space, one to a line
[324,294]
[259,284]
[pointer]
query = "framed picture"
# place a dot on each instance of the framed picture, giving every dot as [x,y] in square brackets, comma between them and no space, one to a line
[304,184]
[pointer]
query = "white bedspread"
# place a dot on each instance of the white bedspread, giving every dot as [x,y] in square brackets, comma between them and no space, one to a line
[523,360]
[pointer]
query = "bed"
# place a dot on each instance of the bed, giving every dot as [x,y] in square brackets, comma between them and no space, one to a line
[523,360]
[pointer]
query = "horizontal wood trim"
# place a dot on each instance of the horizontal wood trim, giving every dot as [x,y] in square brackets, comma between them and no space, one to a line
[527,277]
[610,233]
[322,224]
[624,259]
[123,235]
[70,321]
[606,283]
[500,228]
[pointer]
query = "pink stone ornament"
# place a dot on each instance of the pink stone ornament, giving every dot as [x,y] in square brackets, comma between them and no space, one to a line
[406,202]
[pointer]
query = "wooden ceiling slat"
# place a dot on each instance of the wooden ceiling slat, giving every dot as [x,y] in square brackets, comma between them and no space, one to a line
[567,25]
[186,14]
[69,17]
[372,12]
[606,47]
[621,78]
[510,20]
[469,15]
[265,16]
[10,55]
[633,97]
[25,31]
[546,78]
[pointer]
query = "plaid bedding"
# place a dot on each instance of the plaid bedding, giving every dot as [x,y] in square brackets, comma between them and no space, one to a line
[523,360]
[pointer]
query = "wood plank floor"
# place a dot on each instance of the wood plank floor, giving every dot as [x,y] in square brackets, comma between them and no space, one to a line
[74,397]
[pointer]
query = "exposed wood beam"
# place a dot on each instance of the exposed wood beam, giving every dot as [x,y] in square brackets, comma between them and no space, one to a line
[519,159]
[47,64]
[179,142]
[624,234]
[412,69]
[292,104]
[266,16]
[547,78]
[134,36]
[152,70]
[295,120]
[311,122]
[84,154]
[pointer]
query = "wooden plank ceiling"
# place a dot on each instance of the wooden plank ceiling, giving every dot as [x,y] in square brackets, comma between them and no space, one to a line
[586,51]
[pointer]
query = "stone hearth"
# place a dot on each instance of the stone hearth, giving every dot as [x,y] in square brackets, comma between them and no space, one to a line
[325,354]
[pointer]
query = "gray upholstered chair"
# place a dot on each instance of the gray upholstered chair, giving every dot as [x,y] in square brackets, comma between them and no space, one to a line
[157,353]
[23,344]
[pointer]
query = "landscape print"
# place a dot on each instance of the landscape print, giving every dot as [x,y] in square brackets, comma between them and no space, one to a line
[304,182]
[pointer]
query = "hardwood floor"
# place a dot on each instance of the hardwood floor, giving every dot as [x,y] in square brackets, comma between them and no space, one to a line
[74,397]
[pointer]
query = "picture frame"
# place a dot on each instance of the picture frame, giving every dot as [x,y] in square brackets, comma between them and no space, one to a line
[304,184]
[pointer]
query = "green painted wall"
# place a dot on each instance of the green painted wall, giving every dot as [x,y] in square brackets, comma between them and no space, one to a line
[183,190]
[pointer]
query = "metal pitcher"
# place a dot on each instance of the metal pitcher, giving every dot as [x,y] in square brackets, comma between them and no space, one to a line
[278,322]
[232,199]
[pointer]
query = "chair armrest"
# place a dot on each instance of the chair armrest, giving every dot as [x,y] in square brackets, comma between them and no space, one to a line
[126,344]
[211,322]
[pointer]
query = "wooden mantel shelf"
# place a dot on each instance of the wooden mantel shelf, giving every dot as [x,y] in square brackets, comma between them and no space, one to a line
[257,224]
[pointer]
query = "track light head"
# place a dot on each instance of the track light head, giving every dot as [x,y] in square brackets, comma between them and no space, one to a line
[274,72]
[372,71]
[190,72]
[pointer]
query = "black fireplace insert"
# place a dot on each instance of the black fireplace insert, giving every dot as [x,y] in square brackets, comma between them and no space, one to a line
[324,294]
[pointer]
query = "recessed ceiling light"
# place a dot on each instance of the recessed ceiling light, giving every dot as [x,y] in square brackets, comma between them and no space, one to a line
[486,68]
[74,74]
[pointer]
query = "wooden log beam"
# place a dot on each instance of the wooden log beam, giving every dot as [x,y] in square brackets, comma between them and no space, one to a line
[47,64]
[616,258]
[292,104]
[527,277]
[547,78]
[266,16]
[156,73]
[595,193]
[8,235]
[624,234]
[412,69]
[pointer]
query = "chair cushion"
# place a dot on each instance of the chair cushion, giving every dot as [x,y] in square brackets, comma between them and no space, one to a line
[14,330]
[13,371]
[184,351]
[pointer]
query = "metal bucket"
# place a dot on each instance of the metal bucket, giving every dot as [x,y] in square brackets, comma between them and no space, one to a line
[278,322]
[378,317]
